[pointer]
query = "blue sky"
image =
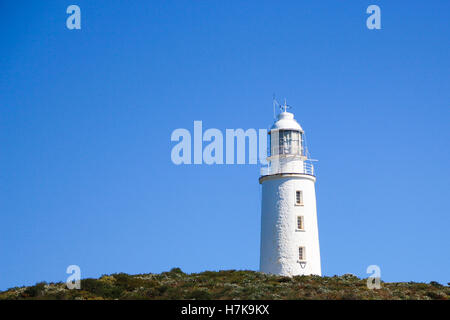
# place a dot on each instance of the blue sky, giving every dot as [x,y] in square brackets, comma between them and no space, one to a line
[86,117]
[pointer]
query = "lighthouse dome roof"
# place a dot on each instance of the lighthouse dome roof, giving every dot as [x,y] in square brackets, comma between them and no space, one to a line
[286,121]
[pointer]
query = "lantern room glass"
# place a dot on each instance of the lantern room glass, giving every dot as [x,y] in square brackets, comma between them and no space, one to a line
[286,142]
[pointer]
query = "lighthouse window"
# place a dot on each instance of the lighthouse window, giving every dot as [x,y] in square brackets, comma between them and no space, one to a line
[301,254]
[300,225]
[295,143]
[299,198]
[285,142]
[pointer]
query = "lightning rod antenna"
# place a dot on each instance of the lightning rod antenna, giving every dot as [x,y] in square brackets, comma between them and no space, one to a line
[273,103]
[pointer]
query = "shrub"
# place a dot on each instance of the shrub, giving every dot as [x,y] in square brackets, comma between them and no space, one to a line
[199,295]
[176,270]
[436,284]
[36,290]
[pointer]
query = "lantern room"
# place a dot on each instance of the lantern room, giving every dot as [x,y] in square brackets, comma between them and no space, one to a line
[286,137]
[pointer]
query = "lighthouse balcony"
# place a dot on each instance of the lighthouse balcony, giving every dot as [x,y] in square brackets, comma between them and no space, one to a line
[306,167]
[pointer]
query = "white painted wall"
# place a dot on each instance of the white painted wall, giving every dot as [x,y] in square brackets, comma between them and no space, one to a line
[280,239]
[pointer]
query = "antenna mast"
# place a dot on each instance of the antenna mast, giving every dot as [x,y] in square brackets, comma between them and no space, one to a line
[275,103]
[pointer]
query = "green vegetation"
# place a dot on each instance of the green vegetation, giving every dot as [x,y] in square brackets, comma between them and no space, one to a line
[229,284]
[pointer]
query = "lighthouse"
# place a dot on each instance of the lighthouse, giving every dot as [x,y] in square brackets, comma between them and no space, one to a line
[289,229]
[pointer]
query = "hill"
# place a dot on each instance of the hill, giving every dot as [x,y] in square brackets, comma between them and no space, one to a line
[230,284]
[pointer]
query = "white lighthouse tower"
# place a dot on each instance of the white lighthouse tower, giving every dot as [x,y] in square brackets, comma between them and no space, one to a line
[289,230]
